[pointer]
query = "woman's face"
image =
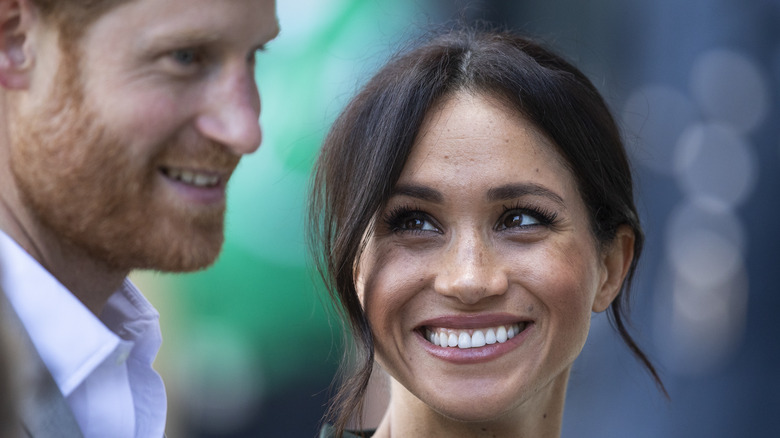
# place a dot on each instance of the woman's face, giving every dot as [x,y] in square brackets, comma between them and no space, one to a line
[482,273]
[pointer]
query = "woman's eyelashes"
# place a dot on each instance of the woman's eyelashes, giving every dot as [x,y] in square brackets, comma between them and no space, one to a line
[408,219]
[404,219]
[526,216]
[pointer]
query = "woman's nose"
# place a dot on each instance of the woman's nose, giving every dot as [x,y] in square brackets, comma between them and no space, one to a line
[470,270]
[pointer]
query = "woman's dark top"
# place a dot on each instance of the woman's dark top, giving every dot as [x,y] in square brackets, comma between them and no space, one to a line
[328,432]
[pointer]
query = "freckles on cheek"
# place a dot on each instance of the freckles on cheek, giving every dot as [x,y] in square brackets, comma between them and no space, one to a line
[564,281]
[564,296]
[569,298]
[391,282]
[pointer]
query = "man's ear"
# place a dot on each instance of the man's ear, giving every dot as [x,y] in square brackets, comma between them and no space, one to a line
[16,55]
[615,259]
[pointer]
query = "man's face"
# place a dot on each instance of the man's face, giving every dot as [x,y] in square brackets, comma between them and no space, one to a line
[126,152]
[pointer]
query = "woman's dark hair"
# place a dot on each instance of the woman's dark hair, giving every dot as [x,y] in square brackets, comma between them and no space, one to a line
[367,147]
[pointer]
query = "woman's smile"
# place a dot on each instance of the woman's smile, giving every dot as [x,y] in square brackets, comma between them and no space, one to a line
[472,338]
[476,345]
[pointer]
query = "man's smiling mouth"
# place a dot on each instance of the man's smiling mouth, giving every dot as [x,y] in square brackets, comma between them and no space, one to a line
[200,179]
[473,338]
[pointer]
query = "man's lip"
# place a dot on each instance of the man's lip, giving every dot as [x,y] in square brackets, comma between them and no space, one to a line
[475,321]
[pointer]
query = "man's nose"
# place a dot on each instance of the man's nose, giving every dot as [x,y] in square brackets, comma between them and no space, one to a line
[470,270]
[231,110]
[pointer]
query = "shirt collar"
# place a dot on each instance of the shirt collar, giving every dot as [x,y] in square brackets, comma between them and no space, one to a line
[132,317]
[69,338]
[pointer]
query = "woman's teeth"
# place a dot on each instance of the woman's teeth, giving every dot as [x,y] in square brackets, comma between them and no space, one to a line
[443,337]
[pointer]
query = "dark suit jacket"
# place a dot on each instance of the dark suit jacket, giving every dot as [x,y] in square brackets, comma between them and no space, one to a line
[44,413]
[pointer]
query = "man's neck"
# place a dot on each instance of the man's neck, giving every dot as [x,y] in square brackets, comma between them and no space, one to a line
[90,280]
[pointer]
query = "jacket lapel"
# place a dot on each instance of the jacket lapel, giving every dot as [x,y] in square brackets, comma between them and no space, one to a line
[43,409]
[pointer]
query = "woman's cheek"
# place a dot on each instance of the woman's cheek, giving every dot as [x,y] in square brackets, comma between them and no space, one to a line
[562,279]
[395,277]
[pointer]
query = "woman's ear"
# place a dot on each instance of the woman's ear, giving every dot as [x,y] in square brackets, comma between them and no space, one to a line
[615,259]
[17,18]
[358,270]
[360,286]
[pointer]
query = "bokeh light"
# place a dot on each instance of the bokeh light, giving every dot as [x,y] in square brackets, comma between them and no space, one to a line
[654,117]
[729,87]
[704,320]
[705,246]
[704,298]
[713,163]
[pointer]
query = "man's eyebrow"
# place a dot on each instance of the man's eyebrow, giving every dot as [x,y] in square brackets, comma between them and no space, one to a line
[420,192]
[514,191]
[195,38]
[175,39]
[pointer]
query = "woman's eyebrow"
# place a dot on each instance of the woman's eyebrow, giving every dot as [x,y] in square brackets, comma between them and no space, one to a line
[419,192]
[514,191]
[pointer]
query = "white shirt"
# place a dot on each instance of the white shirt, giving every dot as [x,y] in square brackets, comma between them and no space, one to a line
[103,366]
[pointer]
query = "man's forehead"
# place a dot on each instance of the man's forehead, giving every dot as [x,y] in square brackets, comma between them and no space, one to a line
[195,20]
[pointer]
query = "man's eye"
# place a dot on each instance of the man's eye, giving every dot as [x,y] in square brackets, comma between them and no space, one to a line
[185,57]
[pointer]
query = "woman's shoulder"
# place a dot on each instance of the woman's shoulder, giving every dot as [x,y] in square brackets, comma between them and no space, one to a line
[327,431]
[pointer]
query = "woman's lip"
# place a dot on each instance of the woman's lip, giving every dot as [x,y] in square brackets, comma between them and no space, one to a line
[476,321]
[465,356]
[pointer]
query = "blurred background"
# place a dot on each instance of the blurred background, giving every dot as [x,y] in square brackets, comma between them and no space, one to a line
[249,350]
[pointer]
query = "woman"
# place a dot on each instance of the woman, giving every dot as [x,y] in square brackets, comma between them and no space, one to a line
[470,208]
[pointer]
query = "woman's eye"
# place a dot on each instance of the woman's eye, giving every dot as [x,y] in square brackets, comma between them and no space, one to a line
[518,219]
[417,224]
[404,220]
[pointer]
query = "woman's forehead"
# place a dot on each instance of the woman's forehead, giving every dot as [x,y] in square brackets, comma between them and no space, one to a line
[471,136]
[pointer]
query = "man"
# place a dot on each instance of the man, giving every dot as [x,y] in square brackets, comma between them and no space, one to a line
[121,122]
[8,398]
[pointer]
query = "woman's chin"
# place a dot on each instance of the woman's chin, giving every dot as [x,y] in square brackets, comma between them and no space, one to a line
[473,411]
